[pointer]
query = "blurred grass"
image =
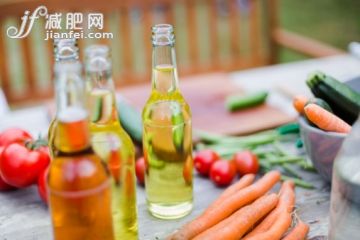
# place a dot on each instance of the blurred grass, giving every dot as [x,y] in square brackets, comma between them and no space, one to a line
[336,22]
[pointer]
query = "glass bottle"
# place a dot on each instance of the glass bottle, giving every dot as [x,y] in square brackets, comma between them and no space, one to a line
[78,181]
[167,139]
[345,190]
[110,141]
[69,46]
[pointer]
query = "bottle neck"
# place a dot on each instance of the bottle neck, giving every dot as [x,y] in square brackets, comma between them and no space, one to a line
[101,99]
[72,132]
[164,71]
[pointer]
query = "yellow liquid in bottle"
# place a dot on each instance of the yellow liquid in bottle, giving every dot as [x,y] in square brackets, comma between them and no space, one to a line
[79,189]
[167,143]
[113,144]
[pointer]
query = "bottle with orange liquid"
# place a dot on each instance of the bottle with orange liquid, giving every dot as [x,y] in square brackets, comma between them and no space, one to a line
[59,43]
[78,182]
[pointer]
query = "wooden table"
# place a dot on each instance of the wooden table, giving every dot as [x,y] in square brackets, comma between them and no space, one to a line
[24,217]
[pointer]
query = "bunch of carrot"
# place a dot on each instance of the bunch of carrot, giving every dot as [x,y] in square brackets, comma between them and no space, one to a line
[319,116]
[247,211]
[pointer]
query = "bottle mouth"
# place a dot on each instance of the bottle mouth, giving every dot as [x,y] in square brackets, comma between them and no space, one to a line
[66,49]
[163,34]
[97,58]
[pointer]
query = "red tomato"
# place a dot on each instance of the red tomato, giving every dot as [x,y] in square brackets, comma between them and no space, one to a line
[222,172]
[41,185]
[203,161]
[140,170]
[3,185]
[246,162]
[20,166]
[13,135]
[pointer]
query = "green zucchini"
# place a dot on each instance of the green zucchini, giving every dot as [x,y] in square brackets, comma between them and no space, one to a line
[344,101]
[130,119]
[237,102]
[319,102]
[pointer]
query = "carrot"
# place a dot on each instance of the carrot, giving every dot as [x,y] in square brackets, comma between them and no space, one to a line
[275,232]
[245,181]
[235,226]
[299,232]
[286,203]
[225,208]
[325,119]
[299,102]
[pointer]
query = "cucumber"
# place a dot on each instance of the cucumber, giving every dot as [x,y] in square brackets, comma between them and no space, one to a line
[97,110]
[177,120]
[237,102]
[344,101]
[130,120]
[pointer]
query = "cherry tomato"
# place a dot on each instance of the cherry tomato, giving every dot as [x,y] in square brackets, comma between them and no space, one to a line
[13,135]
[21,166]
[203,161]
[246,162]
[41,185]
[3,185]
[222,172]
[140,170]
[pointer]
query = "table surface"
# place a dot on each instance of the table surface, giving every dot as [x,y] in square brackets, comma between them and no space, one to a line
[23,216]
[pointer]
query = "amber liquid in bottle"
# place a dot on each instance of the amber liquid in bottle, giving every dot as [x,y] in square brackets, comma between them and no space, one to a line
[78,181]
[79,187]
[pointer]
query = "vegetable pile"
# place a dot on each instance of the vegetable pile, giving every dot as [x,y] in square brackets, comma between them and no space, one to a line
[222,157]
[335,106]
[23,161]
[246,211]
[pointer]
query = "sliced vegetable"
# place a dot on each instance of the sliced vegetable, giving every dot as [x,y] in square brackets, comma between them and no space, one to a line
[177,120]
[344,101]
[237,102]
[325,119]
[235,226]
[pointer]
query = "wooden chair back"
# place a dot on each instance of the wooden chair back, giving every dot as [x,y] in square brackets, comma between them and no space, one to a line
[211,36]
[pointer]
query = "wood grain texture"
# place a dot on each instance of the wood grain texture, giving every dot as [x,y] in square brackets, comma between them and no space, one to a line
[24,217]
[206,95]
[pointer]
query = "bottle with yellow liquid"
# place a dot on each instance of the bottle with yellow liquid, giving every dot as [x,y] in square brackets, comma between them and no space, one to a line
[78,181]
[167,139]
[110,141]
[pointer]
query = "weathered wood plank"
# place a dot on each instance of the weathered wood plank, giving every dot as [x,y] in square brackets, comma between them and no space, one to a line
[24,216]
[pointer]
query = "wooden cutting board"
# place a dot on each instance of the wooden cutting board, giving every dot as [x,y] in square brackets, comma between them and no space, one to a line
[206,95]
